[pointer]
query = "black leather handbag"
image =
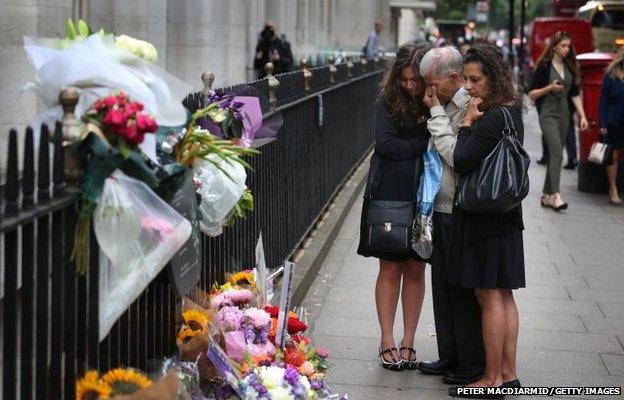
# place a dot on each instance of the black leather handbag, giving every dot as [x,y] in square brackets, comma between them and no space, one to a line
[501,181]
[388,222]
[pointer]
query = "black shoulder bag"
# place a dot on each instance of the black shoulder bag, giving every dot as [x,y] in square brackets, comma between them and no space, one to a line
[389,222]
[501,181]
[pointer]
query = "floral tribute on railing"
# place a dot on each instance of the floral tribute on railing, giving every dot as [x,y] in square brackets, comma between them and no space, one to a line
[227,350]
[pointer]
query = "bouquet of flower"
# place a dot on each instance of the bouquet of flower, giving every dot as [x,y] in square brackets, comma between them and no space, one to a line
[127,384]
[230,295]
[294,326]
[273,382]
[246,331]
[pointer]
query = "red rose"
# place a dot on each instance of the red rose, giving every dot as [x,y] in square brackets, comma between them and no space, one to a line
[272,310]
[146,123]
[133,108]
[131,134]
[115,118]
[296,326]
[122,98]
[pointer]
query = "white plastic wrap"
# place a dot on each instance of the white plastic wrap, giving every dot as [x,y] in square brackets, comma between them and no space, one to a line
[219,194]
[97,68]
[139,233]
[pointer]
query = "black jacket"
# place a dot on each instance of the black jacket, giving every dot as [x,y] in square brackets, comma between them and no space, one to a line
[285,62]
[541,78]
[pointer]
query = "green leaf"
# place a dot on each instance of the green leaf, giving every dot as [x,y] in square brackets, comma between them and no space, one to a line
[71,29]
[124,149]
[83,28]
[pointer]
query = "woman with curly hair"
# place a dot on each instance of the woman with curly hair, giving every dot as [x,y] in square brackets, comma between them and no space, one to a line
[487,252]
[555,79]
[401,138]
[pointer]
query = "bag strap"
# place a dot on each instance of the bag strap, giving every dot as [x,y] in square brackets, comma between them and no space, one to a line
[509,124]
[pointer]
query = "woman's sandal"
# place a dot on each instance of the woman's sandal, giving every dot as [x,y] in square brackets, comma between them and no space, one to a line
[394,365]
[410,363]
[544,201]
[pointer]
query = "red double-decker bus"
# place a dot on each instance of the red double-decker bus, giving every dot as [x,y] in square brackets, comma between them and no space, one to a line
[566,8]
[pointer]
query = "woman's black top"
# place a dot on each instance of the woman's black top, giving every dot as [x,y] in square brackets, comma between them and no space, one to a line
[399,146]
[473,145]
[541,78]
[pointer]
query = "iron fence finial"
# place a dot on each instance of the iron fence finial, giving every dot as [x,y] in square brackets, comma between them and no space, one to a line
[273,85]
[332,70]
[307,74]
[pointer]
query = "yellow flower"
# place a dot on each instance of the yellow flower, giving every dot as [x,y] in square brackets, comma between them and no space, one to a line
[90,387]
[126,381]
[196,320]
[243,278]
[185,333]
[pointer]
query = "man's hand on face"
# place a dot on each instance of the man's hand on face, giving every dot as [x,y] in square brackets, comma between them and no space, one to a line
[431,97]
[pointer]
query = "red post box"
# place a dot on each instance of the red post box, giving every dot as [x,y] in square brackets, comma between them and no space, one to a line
[592,178]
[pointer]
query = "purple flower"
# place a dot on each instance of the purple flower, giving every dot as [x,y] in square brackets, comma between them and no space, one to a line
[316,384]
[236,104]
[299,392]
[291,375]
[230,318]
[249,332]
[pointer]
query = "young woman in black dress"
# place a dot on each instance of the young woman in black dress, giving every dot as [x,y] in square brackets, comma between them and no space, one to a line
[487,251]
[401,138]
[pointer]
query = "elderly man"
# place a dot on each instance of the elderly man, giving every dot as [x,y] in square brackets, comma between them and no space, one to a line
[456,311]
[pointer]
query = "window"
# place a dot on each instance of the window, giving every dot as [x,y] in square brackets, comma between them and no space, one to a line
[612,19]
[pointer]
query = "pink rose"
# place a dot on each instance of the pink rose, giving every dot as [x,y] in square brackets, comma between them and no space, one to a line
[133,108]
[322,352]
[131,134]
[306,368]
[146,123]
[258,318]
[115,118]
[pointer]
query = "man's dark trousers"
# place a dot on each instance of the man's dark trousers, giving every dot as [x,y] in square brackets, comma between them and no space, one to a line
[456,310]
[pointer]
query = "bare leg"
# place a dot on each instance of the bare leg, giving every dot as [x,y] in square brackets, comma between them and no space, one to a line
[387,298]
[612,175]
[412,296]
[511,337]
[494,329]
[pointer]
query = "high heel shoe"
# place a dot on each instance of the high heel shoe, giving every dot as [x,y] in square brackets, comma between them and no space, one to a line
[394,365]
[409,363]
[557,202]
[545,201]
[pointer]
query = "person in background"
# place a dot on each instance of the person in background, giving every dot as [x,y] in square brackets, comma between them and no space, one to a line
[487,251]
[372,42]
[401,138]
[570,144]
[270,48]
[555,78]
[612,118]
[455,309]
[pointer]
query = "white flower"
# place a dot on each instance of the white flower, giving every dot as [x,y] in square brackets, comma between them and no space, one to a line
[272,377]
[140,48]
[281,393]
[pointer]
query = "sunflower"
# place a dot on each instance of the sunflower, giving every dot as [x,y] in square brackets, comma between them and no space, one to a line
[185,334]
[196,320]
[126,381]
[245,278]
[90,387]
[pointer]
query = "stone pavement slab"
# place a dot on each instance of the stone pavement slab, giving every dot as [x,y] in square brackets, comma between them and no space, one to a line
[571,313]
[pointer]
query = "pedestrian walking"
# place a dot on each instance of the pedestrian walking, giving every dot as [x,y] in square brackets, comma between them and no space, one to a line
[570,143]
[456,310]
[612,118]
[555,79]
[371,47]
[487,251]
[401,139]
[271,48]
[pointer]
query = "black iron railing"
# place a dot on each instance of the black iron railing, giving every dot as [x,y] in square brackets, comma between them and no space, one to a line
[49,315]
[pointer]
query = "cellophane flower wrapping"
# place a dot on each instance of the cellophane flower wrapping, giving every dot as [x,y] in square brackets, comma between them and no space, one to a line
[219,192]
[96,66]
[139,233]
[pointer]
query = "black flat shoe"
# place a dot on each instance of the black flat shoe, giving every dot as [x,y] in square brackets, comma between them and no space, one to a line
[571,165]
[458,391]
[394,365]
[462,375]
[410,363]
[439,367]
[515,384]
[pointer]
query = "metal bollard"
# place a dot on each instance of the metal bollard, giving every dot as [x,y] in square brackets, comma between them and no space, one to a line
[332,70]
[307,74]
[349,66]
[363,61]
[74,170]
[208,79]
[273,85]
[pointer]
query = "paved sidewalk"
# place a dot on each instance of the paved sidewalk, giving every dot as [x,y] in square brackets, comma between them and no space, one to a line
[571,313]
